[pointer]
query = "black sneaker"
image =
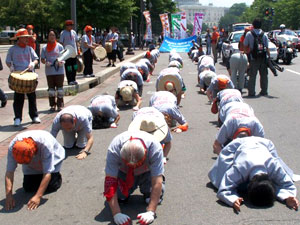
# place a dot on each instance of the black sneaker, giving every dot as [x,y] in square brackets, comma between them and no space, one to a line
[108,65]
[113,65]
[92,75]
[3,103]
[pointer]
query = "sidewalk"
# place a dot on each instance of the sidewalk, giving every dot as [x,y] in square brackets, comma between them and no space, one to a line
[100,70]
[8,131]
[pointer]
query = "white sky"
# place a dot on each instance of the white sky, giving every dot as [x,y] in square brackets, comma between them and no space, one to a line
[225,3]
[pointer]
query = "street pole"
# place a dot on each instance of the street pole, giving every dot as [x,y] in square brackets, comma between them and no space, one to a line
[129,49]
[73,14]
[141,24]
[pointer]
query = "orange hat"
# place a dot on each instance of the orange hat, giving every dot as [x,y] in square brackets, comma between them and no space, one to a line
[214,27]
[148,54]
[22,33]
[88,28]
[24,150]
[29,26]
[69,22]
[222,83]
[223,30]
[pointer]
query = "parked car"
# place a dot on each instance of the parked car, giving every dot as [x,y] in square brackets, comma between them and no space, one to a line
[6,35]
[231,46]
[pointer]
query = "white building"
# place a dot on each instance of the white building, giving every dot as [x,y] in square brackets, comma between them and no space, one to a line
[212,15]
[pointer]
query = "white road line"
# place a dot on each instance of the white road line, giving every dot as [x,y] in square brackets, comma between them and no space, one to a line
[292,71]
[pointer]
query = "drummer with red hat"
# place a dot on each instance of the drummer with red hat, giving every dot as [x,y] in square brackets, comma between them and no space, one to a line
[21,57]
[41,157]
[88,43]
[69,37]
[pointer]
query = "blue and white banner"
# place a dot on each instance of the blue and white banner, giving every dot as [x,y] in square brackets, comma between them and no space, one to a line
[182,45]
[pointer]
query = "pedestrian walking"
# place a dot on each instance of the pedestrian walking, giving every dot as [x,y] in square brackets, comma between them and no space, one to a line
[214,43]
[208,42]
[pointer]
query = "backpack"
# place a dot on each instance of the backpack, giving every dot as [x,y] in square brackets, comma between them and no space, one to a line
[259,49]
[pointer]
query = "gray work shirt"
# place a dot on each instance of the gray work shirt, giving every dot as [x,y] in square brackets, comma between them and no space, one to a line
[51,57]
[85,39]
[69,38]
[105,104]
[249,39]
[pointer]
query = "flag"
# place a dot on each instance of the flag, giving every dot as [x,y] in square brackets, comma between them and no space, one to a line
[183,27]
[165,24]
[148,33]
[176,18]
[198,23]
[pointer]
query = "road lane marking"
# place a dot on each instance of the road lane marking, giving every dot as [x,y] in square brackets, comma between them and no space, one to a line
[292,71]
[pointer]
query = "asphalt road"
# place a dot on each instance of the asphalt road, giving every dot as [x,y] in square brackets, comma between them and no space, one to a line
[189,199]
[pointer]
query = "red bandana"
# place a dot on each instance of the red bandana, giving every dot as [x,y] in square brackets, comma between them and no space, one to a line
[51,46]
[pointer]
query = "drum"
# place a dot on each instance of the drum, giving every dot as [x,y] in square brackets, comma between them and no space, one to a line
[108,47]
[25,83]
[80,65]
[100,53]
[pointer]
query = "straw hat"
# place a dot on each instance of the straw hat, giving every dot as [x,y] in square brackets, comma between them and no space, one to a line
[155,125]
[21,33]
[169,83]
[127,93]
[175,63]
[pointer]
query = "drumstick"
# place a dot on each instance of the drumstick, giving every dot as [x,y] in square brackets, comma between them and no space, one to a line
[24,71]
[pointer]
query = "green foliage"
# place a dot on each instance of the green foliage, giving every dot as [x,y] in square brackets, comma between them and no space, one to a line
[233,15]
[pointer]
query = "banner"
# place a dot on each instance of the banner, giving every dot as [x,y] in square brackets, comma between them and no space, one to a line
[183,45]
[183,27]
[198,23]
[165,24]
[148,33]
[176,18]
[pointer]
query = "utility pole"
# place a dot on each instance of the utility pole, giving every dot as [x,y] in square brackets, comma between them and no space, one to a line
[73,14]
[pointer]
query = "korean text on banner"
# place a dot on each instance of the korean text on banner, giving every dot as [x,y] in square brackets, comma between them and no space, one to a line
[183,45]
[165,24]
[183,26]
[148,33]
[198,23]
[176,18]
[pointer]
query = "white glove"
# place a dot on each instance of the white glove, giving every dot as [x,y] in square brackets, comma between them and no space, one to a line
[48,63]
[61,63]
[146,218]
[121,219]
[113,125]
[31,65]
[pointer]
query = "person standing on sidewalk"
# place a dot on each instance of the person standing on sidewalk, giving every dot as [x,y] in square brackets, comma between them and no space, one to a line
[69,37]
[54,71]
[208,42]
[113,37]
[87,46]
[3,96]
[41,157]
[19,58]
[257,44]
[214,43]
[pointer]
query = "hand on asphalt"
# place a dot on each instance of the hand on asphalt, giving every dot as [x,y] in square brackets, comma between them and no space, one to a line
[292,202]
[81,155]
[237,204]
[146,218]
[9,202]
[122,219]
[33,203]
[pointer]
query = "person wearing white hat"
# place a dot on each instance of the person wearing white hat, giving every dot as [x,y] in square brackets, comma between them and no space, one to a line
[134,75]
[152,121]
[169,79]
[134,159]
[166,103]
[175,64]
[105,112]
[177,57]
[22,57]
[127,94]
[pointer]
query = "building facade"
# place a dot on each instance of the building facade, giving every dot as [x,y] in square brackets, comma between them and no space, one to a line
[212,15]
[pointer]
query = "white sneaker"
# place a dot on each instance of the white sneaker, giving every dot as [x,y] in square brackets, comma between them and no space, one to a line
[165,160]
[17,122]
[36,120]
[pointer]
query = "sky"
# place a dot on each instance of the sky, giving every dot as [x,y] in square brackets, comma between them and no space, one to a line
[225,3]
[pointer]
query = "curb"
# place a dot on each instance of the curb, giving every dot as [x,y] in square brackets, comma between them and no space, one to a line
[83,85]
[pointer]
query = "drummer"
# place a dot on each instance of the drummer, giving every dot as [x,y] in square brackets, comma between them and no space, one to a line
[112,37]
[54,71]
[87,45]
[21,57]
[69,37]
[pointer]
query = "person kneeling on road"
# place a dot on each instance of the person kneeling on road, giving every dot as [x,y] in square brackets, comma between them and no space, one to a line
[127,94]
[219,83]
[204,80]
[231,129]
[252,165]
[166,103]
[152,121]
[75,120]
[105,112]
[144,70]
[134,159]
[41,157]
[136,76]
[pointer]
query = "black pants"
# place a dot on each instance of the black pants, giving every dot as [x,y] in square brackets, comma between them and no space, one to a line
[71,68]
[88,62]
[31,183]
[19,103]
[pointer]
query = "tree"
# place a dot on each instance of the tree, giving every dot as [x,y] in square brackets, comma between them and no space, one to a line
[233,15]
